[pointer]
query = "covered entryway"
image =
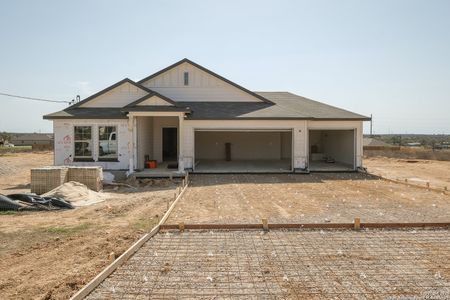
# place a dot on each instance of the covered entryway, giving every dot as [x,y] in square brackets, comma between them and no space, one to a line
[332,150]
[243,151]
[169,144]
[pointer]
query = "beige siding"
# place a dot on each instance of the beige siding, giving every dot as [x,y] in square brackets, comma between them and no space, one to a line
[117,97]
[202,86]
[155,100]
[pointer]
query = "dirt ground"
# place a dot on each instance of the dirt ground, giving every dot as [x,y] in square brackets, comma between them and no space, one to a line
[15,170]
[416,171]
[50,255]
[313,198]
[316,264]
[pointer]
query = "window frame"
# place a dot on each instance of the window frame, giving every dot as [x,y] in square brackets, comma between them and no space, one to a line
[186,78]
[91,141]
[112,159]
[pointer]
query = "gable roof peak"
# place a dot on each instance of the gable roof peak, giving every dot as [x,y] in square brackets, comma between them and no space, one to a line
[111,87]
[207,71]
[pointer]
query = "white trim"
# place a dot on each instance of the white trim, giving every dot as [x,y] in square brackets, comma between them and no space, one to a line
[155,114]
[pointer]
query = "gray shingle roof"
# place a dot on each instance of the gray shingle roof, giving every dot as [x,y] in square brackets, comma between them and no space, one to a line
[88,113]
[285,106]
[309,108]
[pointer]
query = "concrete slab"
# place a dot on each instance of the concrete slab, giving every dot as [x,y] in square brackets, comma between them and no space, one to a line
[243,166]
[321,166]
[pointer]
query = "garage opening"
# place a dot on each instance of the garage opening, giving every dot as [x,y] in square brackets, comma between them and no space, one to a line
[243,151]
[331,150]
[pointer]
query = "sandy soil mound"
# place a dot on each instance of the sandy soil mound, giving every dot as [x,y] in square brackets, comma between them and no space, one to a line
[76,193]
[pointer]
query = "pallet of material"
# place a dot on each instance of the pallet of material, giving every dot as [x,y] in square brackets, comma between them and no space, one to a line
[90,176]
[48,178]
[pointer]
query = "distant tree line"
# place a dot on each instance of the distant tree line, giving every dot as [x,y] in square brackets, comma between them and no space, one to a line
[426,140]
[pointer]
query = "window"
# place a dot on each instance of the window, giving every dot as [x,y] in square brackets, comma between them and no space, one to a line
[83,143]
[186,78]
[107,143]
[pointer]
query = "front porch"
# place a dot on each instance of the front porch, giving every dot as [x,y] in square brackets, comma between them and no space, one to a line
[162,171]
[156,137]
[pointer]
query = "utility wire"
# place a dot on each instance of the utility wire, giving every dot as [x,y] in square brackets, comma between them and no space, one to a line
[31,98]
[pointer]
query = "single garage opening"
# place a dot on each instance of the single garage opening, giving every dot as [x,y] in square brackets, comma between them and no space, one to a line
[331,150]
[242,151]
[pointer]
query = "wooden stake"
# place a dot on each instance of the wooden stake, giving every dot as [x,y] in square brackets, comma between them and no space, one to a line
[181,226]
[428,185]
[406,180]
[168,203]
[174,196]
[182,183]
[265,225]
[445,188]
[357,224]
[112,257]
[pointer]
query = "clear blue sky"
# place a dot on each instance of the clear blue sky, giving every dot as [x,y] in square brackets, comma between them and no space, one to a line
[388,58]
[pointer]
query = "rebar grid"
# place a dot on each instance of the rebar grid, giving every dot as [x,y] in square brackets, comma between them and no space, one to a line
[284,265]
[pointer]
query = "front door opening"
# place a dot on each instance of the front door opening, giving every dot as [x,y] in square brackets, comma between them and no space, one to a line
[170,145]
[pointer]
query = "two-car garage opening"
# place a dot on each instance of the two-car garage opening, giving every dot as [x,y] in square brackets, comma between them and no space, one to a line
[243,151]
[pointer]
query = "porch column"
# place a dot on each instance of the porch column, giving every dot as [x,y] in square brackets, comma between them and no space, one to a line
[180,143]
[131,141]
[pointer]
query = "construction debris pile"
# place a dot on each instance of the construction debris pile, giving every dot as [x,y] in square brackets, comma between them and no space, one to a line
[32,202]
[66,196]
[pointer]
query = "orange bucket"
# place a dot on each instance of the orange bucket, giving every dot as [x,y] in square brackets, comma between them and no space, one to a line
[151,164]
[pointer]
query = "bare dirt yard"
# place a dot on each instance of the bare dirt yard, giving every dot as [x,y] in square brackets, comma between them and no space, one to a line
[50,255]
[313,198]
[415,171]
[15,170]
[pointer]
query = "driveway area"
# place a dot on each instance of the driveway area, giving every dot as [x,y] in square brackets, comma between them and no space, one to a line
[285,265]
[313,198]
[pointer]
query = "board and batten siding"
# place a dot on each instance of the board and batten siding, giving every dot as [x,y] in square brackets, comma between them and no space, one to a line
[120,96]
[202,87]
[64,143]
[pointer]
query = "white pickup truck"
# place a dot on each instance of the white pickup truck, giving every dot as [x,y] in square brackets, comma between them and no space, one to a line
[108,146]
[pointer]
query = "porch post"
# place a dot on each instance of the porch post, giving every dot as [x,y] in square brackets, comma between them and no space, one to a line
[131,143]
[180,144]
